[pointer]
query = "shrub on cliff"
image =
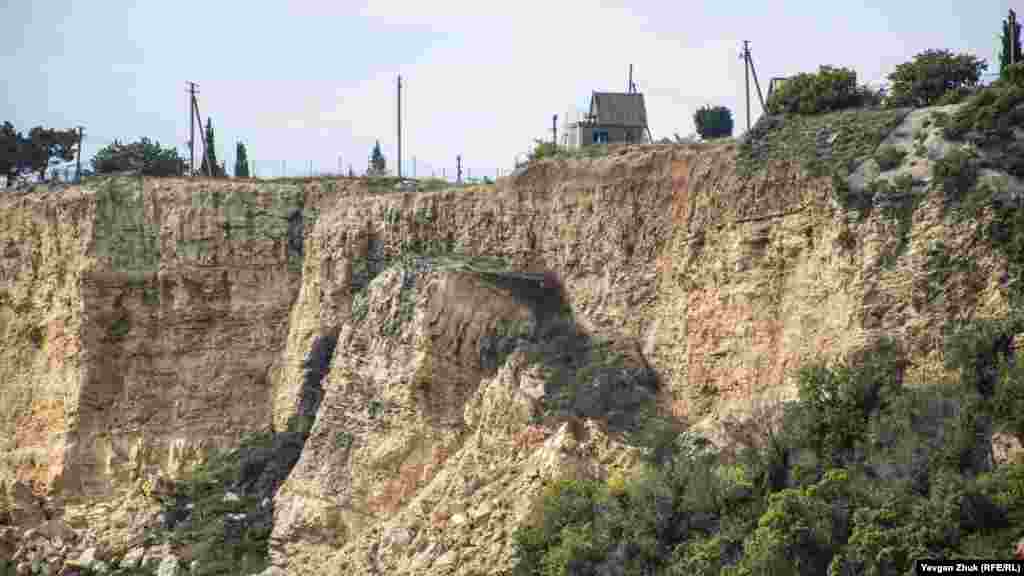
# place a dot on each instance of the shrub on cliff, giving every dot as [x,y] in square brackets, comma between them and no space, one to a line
[145,156]
[813,93]
[859,476]
[932,75]
[713,122]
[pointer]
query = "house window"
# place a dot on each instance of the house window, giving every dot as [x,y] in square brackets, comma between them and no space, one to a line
[600,136]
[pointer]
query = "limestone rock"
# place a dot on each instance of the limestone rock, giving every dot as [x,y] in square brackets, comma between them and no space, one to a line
[1006,449]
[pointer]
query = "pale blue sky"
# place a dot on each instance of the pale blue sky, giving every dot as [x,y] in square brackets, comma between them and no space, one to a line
[309,81]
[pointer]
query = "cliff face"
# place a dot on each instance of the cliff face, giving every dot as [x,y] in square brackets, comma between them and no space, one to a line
[145,322]
[141,321]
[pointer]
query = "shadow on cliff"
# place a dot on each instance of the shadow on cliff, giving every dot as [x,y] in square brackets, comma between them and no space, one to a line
[587,375]
[222,515]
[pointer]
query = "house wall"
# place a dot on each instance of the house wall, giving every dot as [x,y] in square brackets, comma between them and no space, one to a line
[583,135]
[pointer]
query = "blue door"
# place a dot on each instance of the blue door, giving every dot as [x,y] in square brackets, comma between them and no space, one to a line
[600,136]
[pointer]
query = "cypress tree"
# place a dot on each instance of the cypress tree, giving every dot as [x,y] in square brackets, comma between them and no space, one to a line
[1004,41]
[210,158]
[241,162]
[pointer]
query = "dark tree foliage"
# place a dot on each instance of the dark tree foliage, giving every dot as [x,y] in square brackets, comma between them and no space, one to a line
[34,153]
[713,122]
[931,75]
[210,157]
[378,165]
[145,156]
[241,161]
[10,146]
[46,144]
[1006,50]
[827,90]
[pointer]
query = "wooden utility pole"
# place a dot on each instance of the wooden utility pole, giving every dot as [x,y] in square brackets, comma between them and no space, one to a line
[399,125]
[746,70]
[748,66]
[554,130]
[207,153]
[78,154]
[192,91]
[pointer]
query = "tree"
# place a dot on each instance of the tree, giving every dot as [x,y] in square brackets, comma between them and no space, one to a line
[1006,50]
[378,165]
[241,162]
[10,151]
[827,90]
[145,156]
[46,144]
[20,154]
[210,157]
[931,75]
[713,122]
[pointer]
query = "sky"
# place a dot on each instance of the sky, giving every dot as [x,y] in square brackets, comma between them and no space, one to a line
[313,83]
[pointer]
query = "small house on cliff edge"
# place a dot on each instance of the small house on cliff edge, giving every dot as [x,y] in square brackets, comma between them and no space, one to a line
[614,117]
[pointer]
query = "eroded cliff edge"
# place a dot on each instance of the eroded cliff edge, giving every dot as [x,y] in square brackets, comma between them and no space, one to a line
[153,320]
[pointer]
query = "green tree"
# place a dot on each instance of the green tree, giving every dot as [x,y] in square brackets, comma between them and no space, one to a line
[35,153]
[826,90]
[210,158]
[931,75]
[1005,49]
[241,161]
[378,165]
[145,156]
[10,151]
[713,122]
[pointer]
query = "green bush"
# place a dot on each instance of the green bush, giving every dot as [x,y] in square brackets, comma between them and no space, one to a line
[954,96]
[1015,74]
[827,90]
[956,173]
[836,402]
[858,476]
[713,122]
[889,157]
[934,75]
[988,120]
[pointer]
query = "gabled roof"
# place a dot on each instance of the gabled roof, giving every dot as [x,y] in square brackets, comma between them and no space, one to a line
[623,109]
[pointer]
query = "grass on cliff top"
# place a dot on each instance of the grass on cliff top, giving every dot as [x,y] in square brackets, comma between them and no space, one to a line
[821,143]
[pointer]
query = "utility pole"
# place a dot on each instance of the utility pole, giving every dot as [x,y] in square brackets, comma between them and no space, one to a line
[554,130]
[458,168]
[629,85]
[746,70]
[399,126]
[206,150]
[78,154]
[192,86]
[748,67]
[413,167]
